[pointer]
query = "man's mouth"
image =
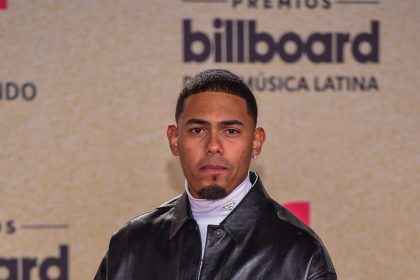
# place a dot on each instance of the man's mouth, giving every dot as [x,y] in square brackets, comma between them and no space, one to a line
[213,169]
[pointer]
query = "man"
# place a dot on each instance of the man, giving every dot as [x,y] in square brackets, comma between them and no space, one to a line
[224,226]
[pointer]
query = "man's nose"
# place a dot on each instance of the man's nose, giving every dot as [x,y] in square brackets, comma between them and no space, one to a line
[214,144]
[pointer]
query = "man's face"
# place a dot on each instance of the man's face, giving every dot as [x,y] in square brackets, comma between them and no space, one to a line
[215,140]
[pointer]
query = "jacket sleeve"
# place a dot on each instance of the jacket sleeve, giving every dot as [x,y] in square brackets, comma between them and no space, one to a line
[101,273]
[326,275]
[321,266]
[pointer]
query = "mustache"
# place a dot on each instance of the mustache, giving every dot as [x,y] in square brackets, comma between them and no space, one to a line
[214,161]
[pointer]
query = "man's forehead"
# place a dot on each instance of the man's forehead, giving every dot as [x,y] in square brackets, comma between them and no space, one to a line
[215,108]
[214,95]
[214,105]
[210,100]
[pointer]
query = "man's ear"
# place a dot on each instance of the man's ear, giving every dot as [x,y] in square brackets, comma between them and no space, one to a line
[172,134]
[259,138]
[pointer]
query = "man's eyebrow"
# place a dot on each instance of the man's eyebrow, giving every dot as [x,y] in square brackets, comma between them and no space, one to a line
[231,122]
[223,123]
[197,121]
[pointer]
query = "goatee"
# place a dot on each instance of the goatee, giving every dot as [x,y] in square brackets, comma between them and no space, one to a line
[212,192]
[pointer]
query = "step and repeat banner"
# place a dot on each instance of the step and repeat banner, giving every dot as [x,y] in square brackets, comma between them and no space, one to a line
[87,89]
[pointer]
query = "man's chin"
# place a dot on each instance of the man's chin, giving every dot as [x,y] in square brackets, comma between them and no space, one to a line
[212,192]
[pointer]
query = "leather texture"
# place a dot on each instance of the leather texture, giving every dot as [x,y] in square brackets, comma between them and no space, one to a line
[259,240]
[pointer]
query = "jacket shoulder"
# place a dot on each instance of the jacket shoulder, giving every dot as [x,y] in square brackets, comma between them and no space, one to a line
[321,263]
[134,234]
[287,216]
[145,222]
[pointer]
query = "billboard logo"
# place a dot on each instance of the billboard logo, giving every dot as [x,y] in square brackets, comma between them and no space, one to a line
[21,269]
[3,4]
[240,41]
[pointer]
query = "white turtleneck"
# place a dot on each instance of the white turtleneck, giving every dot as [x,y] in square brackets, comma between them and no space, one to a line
[213,212]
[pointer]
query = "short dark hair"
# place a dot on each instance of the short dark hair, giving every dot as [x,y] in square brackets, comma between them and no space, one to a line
[218,80]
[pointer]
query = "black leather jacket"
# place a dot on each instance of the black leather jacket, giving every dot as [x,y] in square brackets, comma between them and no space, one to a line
[258,240]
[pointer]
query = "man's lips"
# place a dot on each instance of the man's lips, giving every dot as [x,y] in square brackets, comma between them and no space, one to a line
[213,169]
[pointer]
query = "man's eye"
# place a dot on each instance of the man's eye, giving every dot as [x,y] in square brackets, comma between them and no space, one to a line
[197,130]
[232,131]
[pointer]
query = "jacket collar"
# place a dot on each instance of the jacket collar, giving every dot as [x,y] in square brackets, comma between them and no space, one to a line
[252,207]
[182,213]
[238,223]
